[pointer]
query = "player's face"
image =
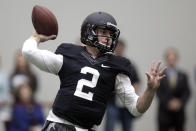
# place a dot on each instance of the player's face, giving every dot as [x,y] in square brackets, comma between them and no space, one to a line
[104,36]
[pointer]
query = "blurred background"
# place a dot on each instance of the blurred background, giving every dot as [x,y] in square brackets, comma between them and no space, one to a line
[149,27]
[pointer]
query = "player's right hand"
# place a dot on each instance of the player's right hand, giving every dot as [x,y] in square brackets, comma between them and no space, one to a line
[42,38]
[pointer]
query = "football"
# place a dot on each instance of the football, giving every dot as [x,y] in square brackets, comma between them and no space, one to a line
[44,21]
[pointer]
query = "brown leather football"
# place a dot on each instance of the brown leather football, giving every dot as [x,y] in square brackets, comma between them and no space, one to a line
[44,21]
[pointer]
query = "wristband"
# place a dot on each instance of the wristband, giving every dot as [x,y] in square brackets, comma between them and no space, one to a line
[37,37]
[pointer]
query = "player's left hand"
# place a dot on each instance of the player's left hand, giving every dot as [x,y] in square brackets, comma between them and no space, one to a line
[154,76]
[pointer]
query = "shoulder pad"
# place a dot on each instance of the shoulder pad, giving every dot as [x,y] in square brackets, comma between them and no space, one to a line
[67,48]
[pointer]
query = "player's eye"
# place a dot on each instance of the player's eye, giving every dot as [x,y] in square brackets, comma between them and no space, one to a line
[106,32]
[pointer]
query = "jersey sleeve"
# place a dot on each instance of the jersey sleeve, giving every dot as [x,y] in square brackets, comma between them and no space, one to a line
[126,92]
[134,75]
[126,67]
[129,69]
[65,49]
[43,59]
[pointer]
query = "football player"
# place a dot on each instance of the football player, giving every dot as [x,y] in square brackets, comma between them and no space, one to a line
[88,75]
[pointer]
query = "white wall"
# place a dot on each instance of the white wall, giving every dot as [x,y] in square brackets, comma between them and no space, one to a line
[149,26]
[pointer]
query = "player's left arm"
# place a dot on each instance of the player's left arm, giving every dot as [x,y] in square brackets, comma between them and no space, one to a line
[126,92]
[154,77]
[134,103]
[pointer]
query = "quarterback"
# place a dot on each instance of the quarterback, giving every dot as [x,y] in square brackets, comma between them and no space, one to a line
[89,74]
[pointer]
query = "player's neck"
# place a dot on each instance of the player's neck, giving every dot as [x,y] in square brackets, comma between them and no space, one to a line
[93,51]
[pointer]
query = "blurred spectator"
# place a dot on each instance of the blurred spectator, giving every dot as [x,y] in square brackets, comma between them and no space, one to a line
[27,114]
[22,74]
[4,89]
[116,112]
[4,97]
[173,95]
